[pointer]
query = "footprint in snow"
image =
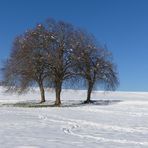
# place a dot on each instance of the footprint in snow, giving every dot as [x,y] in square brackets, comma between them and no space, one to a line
[66,131]
[42,117]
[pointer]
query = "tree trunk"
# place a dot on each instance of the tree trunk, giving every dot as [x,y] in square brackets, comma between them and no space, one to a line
[42,93]
[89,91]
[58,94]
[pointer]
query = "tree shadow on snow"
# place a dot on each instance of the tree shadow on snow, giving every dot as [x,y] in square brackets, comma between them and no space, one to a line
[74,103]
[65,103]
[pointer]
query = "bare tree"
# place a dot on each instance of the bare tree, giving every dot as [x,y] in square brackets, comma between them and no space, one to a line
[60,55]
[54,53]
[42,54]
[93,63]
[27,63]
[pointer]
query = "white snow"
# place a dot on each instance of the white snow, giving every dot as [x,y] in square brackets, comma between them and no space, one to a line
[119,120]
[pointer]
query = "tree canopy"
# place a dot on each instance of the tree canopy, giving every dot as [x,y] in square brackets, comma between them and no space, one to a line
[54,52]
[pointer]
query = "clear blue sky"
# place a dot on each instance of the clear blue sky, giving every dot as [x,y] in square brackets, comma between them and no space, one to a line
[121,24]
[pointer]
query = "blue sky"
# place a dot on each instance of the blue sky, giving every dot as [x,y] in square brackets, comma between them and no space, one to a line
[121,24]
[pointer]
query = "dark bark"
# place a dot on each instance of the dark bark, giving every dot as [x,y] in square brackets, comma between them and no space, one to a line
[42,91]
[58,94]
[89,91]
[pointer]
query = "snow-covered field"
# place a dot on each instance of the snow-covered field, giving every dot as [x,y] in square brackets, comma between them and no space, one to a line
[119,122]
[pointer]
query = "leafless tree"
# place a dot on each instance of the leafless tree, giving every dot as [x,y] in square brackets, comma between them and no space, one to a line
[60,55]
[93,63]
[53,53]
[27,62]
